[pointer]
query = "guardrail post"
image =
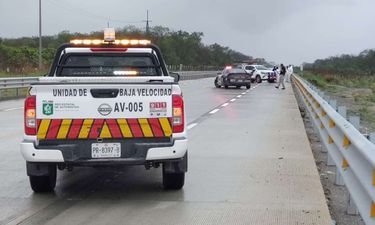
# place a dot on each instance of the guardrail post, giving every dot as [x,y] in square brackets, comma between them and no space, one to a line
[333,103]
[355,121]
[339,180]
[372,137]
[330,162]
[342,111]
[352,208]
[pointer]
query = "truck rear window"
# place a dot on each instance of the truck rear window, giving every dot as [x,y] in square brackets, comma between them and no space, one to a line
[108,65]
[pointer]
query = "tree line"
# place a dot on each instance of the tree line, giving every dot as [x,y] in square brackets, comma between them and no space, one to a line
[362,64]
[21,55]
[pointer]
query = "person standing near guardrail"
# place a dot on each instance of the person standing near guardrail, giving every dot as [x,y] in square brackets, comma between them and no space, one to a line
[281,77]
[289,72]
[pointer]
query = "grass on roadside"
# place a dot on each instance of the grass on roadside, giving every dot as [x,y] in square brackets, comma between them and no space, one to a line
[4,74]
[356,92]
[315,79]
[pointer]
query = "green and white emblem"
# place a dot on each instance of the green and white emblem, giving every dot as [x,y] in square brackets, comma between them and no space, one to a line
[47,108]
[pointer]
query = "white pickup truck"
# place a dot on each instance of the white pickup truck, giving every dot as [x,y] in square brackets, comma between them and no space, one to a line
[105,103]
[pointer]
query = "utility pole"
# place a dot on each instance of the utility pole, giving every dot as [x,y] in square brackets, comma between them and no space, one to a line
[40,34]
[147,24]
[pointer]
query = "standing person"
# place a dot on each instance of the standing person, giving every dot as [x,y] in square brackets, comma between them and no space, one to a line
[281,77]
[291,70]
[287,74]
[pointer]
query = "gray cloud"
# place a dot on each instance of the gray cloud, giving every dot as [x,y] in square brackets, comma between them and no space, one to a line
[289,31]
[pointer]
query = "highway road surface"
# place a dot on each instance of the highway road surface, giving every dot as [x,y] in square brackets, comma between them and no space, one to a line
[250,162]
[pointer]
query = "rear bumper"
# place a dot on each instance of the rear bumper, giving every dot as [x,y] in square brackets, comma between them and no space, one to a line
[228,83]
[136,153]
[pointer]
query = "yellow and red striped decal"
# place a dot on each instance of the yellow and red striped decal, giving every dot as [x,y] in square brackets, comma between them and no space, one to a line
[55,129]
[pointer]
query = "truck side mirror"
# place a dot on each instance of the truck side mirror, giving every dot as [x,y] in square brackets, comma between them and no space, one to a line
[176,76]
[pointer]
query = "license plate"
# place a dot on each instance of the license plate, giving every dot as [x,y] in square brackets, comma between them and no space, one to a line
[232,80]
[105,150]
[239,80]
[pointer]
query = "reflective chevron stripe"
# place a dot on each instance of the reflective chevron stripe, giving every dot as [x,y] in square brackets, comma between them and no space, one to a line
[103,128]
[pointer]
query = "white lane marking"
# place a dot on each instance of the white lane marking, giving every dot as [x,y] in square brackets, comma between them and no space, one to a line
[239,96]
[244,93]
[233,100]
[225,104]
[191,126]
[214,111]
[11,109]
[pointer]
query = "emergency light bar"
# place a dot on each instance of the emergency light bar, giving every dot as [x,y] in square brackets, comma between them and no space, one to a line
[109,38]
[116,42]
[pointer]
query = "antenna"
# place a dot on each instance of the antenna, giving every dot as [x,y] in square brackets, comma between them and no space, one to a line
[147,24]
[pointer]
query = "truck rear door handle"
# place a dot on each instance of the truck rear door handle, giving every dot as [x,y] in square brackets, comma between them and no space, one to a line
[104,93]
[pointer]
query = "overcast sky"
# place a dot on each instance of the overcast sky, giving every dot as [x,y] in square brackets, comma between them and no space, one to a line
[284,31]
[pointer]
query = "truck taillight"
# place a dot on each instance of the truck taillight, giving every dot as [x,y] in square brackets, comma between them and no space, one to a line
[178,114]
[30,115]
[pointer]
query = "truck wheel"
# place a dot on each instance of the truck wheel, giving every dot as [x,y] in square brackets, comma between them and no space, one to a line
[226,86]
[174,173]
[44,183]
[248,86]
[258,79]
[173,181]
[216,84]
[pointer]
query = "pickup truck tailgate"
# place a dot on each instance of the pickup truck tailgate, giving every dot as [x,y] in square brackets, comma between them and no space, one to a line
[92,111]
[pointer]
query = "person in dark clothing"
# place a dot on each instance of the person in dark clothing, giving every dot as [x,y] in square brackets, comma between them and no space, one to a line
[281,77]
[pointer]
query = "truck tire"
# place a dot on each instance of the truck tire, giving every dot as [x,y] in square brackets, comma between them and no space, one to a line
[173,181]
[44,183]
[248,86]
[226,86]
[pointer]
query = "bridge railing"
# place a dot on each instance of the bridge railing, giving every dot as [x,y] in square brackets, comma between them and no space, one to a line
[352,153]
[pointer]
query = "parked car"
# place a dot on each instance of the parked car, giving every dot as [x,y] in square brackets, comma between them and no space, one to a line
[260,73]
[233,77]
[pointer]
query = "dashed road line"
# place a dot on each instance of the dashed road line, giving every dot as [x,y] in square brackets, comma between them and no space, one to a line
[191,126]
[214,111]
[205,116]
[11,109]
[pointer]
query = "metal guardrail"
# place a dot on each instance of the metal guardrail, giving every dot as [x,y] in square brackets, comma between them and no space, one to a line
[351,152]
[18,82]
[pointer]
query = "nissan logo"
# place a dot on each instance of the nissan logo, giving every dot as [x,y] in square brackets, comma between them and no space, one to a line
[104,109]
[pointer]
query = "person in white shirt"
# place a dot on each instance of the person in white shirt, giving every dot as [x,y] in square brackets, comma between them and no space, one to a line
[287,74]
